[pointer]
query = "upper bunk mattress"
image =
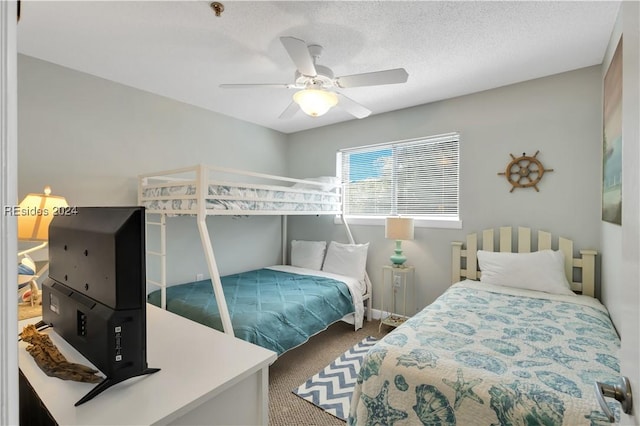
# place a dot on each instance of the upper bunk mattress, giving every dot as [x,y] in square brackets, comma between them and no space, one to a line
[271,308]
[238,197]
[487,355]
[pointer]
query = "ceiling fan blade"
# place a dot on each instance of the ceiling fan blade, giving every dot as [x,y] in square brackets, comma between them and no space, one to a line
[290,110]
[397,75]
[352,107]
[299,53]
[264,86]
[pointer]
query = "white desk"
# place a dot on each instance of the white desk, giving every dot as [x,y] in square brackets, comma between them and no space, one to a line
[206,377]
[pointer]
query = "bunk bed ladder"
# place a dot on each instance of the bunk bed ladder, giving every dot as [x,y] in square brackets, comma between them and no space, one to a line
[162,254]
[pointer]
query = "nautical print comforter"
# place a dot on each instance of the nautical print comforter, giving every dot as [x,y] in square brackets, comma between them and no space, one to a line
[237,197]
[488,355]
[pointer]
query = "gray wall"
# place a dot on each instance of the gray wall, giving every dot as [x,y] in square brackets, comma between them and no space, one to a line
[92,137]
[559,115]
[89,138]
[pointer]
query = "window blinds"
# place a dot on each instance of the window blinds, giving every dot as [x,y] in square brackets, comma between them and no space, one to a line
[417,178]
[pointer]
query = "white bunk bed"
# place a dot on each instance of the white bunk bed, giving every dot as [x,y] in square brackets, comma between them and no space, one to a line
[203,191]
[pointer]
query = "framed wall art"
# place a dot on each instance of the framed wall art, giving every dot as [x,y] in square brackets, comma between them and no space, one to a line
[612,141]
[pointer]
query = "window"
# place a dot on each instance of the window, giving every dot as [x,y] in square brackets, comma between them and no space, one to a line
[416,178]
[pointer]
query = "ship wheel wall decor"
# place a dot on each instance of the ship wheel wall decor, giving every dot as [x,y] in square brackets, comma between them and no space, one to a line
[524,172]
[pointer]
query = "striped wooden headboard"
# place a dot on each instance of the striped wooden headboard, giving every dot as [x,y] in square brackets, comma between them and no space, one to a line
[464,259]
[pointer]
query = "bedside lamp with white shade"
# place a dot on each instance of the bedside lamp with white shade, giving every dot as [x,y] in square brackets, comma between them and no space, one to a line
[399,229]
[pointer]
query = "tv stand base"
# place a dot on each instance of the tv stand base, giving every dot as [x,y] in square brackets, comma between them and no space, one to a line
[108,382]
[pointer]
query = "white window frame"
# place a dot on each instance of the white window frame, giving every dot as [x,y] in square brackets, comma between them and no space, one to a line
[446,222]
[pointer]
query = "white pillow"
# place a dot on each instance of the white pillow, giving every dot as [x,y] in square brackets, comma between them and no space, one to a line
[346,259]
[307,254]
[541,270]
[328,183]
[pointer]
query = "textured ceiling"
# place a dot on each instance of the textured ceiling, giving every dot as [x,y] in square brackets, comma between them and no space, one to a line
[181,50]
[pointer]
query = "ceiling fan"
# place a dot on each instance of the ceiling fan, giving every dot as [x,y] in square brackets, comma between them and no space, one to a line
[317,86]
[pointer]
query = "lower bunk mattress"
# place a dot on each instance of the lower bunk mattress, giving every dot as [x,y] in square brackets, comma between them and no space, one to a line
[483,355]
[272,308]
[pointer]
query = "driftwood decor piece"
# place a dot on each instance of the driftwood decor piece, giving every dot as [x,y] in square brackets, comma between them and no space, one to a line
[524,172]
[52,362]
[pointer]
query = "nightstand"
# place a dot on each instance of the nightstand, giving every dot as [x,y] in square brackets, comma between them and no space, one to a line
[401,306]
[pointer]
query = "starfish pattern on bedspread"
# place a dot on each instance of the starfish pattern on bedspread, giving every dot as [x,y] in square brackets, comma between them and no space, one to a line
[379,408]
[463,389]
[556,354]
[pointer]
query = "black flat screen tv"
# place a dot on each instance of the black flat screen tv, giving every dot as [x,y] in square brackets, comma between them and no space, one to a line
[94,297]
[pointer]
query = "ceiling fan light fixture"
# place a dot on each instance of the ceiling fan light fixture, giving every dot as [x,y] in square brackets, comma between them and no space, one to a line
[315,102]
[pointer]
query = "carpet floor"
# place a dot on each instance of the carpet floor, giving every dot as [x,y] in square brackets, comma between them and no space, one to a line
[294,368]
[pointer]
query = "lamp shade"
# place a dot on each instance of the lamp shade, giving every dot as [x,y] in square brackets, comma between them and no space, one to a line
[36,213]
[399,228]
[315,102]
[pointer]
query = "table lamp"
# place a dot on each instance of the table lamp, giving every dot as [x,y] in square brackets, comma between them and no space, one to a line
[36,212]
[398,228]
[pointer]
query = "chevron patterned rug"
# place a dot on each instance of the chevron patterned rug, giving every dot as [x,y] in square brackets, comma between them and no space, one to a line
[331,388]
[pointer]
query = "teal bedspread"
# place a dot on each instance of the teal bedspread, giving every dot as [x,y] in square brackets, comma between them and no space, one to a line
[273,309]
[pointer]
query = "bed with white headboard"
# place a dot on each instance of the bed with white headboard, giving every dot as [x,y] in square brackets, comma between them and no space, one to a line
[464,261]
[510,342]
